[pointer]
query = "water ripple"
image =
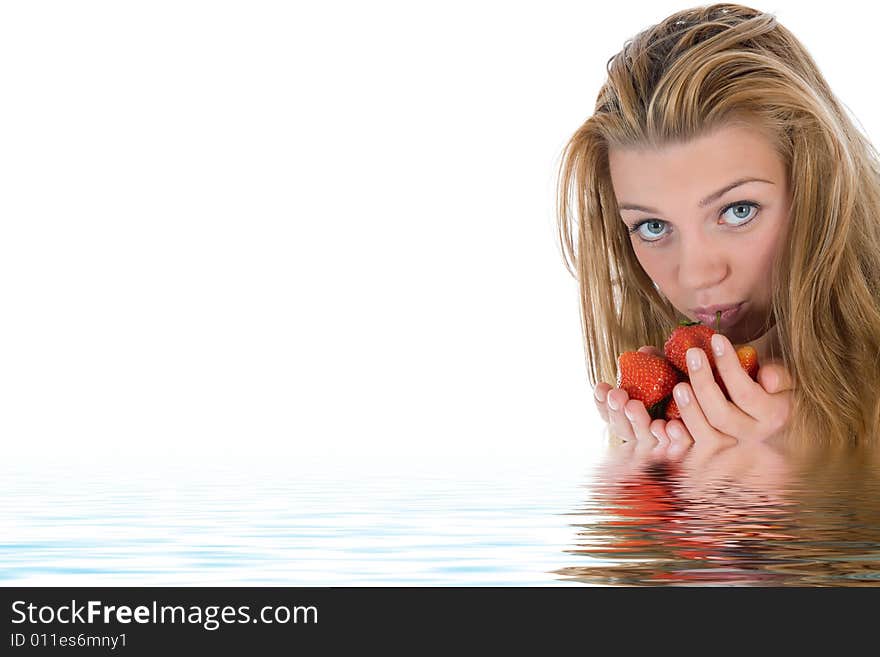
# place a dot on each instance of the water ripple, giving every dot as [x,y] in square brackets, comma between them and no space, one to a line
[751,517]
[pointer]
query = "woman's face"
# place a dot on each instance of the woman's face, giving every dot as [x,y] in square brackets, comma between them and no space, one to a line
[703,242]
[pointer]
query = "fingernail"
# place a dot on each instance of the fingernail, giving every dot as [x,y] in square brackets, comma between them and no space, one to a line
[612,403]
[627,412]
[681,395]
[600,397]
[694,358]
[673,430]
[717,344]
[655,434]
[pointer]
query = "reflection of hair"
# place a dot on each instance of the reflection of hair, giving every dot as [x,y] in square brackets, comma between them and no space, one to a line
[695,71]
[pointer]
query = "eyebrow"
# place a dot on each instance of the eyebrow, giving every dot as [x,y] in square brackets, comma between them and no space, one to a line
[706,201]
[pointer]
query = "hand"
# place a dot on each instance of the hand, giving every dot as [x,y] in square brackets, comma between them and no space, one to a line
[628,419]
[757,410]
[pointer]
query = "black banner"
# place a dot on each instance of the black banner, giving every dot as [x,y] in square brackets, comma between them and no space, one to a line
[155,620]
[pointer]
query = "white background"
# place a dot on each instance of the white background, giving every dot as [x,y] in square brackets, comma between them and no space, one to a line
[313,234]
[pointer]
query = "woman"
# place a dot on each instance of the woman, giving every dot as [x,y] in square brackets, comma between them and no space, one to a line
[719,173]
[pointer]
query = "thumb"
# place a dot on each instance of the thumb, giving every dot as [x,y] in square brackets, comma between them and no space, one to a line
[774,377]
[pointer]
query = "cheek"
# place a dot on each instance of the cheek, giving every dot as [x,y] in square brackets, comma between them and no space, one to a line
[755,258]
[657,267]
[773,235]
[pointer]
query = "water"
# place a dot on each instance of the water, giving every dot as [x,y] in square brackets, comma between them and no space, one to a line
[738,516]
[743,516]
[220,526]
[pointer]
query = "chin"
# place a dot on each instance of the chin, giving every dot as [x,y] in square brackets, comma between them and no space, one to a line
[747,332]
[738,336]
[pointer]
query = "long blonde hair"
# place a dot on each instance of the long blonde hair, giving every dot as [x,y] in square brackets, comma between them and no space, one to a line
[682,78]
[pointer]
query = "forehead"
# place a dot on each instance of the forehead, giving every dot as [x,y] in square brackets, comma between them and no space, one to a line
[699,166]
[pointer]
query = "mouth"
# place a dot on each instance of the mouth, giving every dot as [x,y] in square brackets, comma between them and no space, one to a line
[729,315]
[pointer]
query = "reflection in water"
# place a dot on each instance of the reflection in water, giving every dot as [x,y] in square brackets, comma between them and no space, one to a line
[743,515]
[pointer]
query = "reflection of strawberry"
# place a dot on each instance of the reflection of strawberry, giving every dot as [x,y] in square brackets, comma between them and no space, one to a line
[647,511]
[647,378]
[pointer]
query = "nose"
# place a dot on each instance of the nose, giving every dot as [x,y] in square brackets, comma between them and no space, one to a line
[701,265]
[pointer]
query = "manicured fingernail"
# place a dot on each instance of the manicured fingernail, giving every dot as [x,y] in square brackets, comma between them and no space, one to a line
[695,359]
[655,434]
[717,344]
[600,397]
[673,430]
[681,395]
[612,403]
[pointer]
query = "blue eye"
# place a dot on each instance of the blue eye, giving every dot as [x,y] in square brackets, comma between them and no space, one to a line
[655,229]
[748,206]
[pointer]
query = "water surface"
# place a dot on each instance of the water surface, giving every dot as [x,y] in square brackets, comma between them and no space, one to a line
[734,516]
[745,517]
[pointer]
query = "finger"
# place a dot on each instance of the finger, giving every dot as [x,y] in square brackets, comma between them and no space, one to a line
[768,409]
[640,420]
[620,425]
[665,446]
[646,451]
[774,377]
[658,430]
[778,412]
[713,406]
[600,393]
[745,393]
[678,433]
[679,437]
[692,415]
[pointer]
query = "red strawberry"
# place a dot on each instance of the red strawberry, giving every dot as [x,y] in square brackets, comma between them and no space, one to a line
[687,335]
[748,358]
[646,377]
[695,334]
[672,412]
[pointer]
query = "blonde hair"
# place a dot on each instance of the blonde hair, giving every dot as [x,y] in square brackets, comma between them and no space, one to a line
[695,71]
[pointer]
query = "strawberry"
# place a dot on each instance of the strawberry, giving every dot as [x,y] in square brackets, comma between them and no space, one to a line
[672,412]
[748,358]
[651,379]
[695,334]
[685,336]
[647,378]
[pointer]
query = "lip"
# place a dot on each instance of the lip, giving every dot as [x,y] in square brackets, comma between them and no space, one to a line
[729,314]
